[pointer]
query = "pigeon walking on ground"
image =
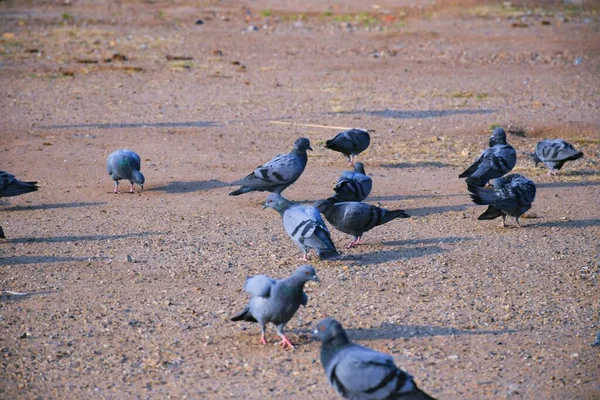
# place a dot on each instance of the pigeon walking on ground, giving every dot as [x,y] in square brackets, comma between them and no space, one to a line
[499,159]
[277,174]
[512,195]
[352,185]
[305,226]
[11,186]
[360,373]
[554,153]
[355,218]
[350,143]
[276,301]
[125,164]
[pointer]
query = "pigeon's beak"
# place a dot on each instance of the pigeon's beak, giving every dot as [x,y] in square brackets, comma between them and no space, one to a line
[264,206]
[316,279]
[309,148]
[142,186]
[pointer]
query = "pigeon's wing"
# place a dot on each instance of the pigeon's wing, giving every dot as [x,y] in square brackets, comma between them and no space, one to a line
[259,285]
[299,222]
[355,187]
[350,141]
[509,193]
[11,186]
[495,162]
[556,151]
[282,169]
[469,171]
[134,160]
[304,300]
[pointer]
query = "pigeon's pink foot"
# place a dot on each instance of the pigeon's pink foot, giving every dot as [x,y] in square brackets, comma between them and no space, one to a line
[285,342]
[131,188]
[352,244]
[359,240]
[262,340]
[304,257]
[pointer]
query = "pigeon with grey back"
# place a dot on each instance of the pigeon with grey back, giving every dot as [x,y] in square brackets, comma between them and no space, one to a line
[512,195]
[125,164]
[355,218]
[276,301]
[359,373]
[352,185]
[277,174]
[554,153]
[305,226]
[11,186]
[497,160]
[350,143]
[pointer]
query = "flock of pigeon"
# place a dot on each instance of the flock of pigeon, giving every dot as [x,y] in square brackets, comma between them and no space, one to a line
[354,371]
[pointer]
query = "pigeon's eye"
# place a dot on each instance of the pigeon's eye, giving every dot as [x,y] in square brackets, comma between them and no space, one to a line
[321,328]
[307,273]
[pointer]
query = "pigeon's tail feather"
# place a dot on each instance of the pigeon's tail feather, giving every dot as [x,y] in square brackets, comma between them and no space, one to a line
[19,187]
[390,215]
[475,181]
[575,156]
[242,190]
[491,213]
[244,315]
[482,196]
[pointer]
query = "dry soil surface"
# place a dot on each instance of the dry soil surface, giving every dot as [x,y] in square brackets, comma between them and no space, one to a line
[129,296]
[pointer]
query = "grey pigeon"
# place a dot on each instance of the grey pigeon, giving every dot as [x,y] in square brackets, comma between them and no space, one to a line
[125,164]
[554,153]
[499,159]
[355,218]
[277,174]
[305,226]
[11,186]
[512,195]
[353,185]
[276,301]
[350,143]
[359,373]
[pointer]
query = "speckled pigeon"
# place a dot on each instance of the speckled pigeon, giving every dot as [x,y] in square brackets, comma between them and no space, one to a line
[277,174]
[512,195]
[353,185]
[276,301]
[499,159]
[305,226]
[350,143]
[554,153]
[359,373]
[11,186]
[355,218]
[125,164]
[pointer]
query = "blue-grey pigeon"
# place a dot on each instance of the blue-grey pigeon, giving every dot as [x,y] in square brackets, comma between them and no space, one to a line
[352,185]
[555,153]
[277,174]
[11,186]
[125,164]
[359,373]
[276,301]
[350,143]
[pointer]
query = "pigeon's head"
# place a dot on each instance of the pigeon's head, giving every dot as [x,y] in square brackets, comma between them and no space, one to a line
[306,273]
[277,202]
[323,205]
[329,330]
[535,158]
[302,144]
[359,167]
[498,137]
[138,178]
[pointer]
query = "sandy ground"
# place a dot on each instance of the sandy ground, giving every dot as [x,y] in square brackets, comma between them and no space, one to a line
[472,310]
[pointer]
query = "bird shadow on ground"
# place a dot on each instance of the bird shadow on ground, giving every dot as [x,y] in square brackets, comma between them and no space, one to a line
[184,124]
[6,296]
[417,164]
[440,240]
[388,331]
[566,184]
[56,205]
[423,211]
[423,114]
[383,256]
[187,187]
[83,238]
[577,223]
[41,259]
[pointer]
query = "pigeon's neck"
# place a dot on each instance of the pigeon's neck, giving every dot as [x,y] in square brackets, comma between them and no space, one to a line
[535,158]
[330,348]
[299,152]
[294,285]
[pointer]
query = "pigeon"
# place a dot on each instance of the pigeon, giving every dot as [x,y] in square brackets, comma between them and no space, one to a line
[499,159]
[352,186]
[351,143]
[512,195]
[359,373]
[355,218]
[277,174]
[11,186]
[276,301]
[554,153]
[305,226]
[125,164]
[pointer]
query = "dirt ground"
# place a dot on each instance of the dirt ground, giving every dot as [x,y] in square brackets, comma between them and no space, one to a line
[472,310]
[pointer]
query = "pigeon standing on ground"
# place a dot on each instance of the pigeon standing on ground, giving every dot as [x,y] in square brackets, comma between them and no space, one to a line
[11,186]
[512,195]
[360,373]
[355,218]
[125,164]
[350,143]
[352,185]
[305,226]
[499,159]
[277,174]
[554,153]
[276,301]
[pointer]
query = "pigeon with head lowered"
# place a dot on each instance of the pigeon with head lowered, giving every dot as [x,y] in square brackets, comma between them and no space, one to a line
[11,186]
[355,218]
[350,143]
[512,195]
[305,226]
[554,153]
[497,160]
[353,185]
[277,174]
[276,301]
[360,373]
[125,164]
